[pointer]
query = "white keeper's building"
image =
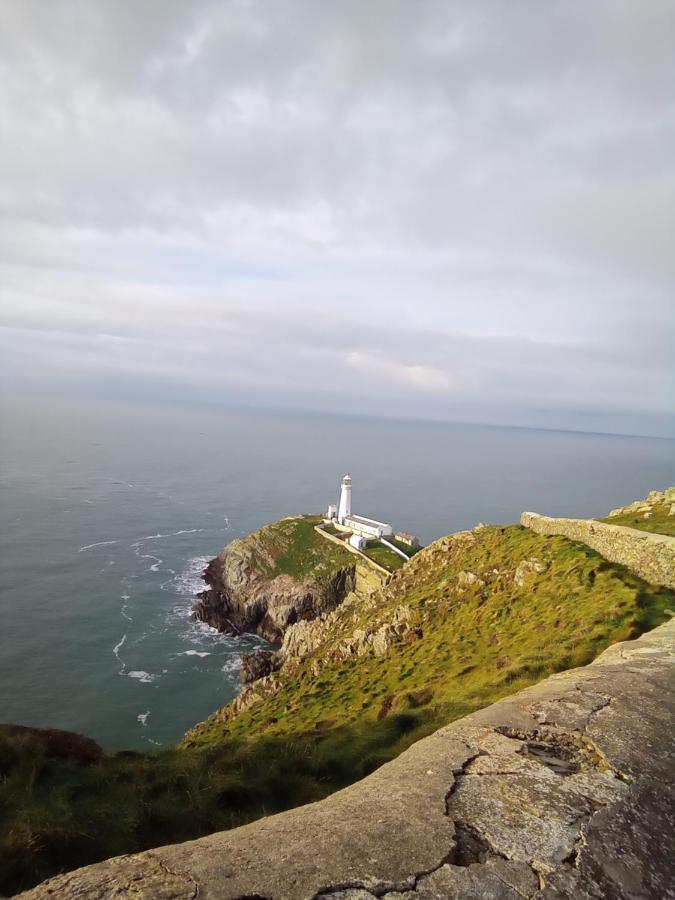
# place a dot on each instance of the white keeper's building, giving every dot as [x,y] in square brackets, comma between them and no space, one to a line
[360,526]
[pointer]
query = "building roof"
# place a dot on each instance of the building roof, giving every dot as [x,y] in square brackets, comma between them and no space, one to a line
[362,520]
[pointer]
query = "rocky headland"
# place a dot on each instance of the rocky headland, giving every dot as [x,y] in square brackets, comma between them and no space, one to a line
[279,575]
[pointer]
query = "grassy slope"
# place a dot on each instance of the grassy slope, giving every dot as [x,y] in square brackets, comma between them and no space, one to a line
[479,643]
[292,547]
[659,523]
[319,733]
[384,556]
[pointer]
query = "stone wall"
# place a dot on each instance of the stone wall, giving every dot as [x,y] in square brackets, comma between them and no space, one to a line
[651,556]
[557,792]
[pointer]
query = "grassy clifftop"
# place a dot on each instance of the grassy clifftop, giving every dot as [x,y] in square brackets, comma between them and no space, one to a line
[292,547]
[279,574]
[469,619]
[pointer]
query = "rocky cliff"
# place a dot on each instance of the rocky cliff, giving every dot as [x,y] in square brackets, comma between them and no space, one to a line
[279,575]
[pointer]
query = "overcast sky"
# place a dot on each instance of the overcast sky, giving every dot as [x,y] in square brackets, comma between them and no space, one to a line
[460,210]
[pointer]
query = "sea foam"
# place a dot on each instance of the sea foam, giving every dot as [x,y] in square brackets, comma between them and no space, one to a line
[116,653]
[97,544]
[143,677]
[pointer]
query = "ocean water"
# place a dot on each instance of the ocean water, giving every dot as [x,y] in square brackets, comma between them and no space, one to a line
[109,513]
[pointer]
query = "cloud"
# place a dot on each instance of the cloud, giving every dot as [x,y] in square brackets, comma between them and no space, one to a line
[414,209]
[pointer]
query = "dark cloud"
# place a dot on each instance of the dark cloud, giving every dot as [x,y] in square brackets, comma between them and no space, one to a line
[413,208]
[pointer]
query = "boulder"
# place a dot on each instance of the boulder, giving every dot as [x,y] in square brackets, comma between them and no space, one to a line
[527,568]
[467,579]
[246,593]
[57,743]
[257,665]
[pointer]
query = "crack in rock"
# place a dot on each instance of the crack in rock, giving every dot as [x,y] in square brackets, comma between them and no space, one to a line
[535,791]
[470,846]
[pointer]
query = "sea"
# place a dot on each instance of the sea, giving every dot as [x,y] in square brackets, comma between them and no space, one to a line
[109,513]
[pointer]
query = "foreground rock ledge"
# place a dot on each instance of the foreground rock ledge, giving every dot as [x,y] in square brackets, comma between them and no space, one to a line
[561,791]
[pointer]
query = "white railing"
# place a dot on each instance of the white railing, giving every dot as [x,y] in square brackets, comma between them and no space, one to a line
[395,549]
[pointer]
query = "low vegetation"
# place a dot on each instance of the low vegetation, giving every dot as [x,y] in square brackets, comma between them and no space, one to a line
[292,547]
[659,520]
[384,556]
[485,613]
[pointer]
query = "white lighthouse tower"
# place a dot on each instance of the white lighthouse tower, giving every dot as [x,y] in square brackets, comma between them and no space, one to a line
[345,507]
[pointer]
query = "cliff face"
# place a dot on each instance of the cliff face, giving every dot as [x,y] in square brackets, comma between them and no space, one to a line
[279,575]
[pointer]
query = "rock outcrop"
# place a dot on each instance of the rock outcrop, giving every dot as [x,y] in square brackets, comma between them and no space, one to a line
[259,664]
[247,592]
[558,792]
[653,502]
[649,555]
[55,743]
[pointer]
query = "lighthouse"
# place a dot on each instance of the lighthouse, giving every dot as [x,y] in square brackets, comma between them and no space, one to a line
[359,530]
[345,507]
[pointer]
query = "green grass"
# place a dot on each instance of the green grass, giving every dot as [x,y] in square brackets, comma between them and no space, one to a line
[294,548]
[384,556]
[406,548]
[56,815]
[330,529]
[465,649]
[660,521]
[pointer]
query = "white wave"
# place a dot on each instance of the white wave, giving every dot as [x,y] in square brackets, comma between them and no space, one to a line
[143,677]
[190,581]
[149,537]
[116,653]
[156,743]
[232,665]
[157,563]
[97,544]
[200,653]
[156,537]
[123,612]
[143,718]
